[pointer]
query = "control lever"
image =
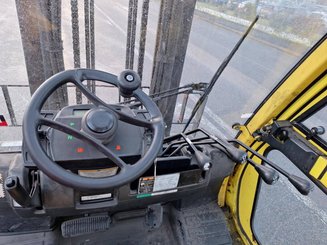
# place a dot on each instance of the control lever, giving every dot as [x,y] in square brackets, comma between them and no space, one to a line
[240,156]
[17,191]
[203,161]
[268,175]
[237,155]
[302,185]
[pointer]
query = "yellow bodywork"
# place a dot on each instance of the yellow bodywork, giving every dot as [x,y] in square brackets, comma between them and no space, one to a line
[241,188]
[318,169]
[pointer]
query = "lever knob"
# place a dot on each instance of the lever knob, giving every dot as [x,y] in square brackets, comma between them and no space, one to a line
[128,81]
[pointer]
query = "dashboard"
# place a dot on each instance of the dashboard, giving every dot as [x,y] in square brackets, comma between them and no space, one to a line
[169,178]
[128,142]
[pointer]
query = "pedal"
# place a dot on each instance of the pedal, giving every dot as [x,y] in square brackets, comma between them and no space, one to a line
[154,216]
[85,225]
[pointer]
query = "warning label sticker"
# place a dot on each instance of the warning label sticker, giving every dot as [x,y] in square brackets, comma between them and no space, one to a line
[158,183]
[146,185]
[166,182]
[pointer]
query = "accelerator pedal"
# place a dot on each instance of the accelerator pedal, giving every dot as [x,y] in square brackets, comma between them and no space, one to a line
[85,225]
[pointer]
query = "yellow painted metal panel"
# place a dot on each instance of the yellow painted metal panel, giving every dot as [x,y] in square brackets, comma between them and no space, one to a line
[324,180]
[311,93]
[246,197]
[318,167]
[222,192]
[241,208]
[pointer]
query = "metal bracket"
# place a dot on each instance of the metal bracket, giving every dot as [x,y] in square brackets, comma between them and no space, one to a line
[282,136]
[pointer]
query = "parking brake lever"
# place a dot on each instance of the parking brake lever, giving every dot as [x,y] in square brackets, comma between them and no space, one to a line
[17,191]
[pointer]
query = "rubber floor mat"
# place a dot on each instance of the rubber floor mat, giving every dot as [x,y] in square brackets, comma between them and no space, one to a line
[203,224]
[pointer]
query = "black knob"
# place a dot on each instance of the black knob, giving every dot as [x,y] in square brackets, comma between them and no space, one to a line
[319,130]
[10,182]
[17,191]
[128,81]
[100,121]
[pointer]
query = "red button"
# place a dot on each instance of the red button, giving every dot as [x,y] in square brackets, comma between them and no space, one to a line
[80,150]
[118,148]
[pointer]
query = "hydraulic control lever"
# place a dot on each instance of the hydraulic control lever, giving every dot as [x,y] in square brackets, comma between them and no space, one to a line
[203,161]
[269,175]
[302,185]
[233,152]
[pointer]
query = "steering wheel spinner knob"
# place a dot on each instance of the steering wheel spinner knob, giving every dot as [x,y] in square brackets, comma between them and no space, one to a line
[128,81]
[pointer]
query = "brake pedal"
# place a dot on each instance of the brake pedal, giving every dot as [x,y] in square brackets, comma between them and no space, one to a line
[85,225]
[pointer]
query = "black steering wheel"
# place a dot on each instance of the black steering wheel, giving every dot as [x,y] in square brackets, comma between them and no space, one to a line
[128,84]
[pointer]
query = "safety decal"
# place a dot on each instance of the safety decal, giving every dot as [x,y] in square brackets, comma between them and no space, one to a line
[3,122]
[2,191]
[158,185]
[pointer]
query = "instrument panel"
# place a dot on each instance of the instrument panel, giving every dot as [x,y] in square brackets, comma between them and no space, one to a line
[127,142]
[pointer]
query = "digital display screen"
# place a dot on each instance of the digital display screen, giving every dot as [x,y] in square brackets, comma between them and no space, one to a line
[79,112]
